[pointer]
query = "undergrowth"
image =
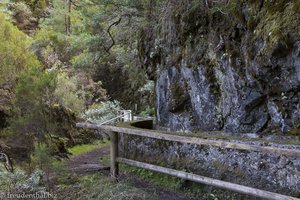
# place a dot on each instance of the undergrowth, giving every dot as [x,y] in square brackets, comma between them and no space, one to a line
[96,186]
[99,186]
[165,181]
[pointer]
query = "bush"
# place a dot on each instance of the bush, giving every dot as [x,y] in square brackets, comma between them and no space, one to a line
[14,54]
[33,98]
[149,111]
[19,182]
[67,93]
[41,159]
[41,156]
[100,113]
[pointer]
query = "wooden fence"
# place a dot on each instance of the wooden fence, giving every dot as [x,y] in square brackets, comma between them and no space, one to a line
[115,159]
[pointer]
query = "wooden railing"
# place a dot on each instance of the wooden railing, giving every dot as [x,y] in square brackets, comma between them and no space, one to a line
[124,115]
[115,159]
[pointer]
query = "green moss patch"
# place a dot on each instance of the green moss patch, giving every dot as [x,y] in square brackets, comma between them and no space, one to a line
[80,149]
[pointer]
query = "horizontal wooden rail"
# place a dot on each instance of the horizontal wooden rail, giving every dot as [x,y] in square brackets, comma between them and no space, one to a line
[194,140]
[189,176]
[208,181]
[115,118]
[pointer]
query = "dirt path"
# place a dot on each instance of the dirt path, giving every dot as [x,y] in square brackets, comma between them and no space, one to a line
[90,162]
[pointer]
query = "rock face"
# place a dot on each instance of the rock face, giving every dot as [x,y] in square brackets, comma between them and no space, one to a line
[227,66]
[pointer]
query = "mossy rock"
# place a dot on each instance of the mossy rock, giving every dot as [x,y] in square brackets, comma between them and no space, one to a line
[278,25]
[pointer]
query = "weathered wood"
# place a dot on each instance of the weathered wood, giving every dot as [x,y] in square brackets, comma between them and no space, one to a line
[194,140]
[208,181]
[189,176]
[114,168]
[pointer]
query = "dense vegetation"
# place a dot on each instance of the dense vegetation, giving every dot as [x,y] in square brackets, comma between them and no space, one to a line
[61,61]
[64,61]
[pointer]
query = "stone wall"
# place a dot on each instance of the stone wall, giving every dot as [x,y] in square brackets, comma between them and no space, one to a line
[265,171]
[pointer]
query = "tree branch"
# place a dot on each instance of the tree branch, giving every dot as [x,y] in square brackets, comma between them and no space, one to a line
[110,35]
[74,4]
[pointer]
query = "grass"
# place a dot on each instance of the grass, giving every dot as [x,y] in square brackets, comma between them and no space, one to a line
[99,186]
[80,149]
[161,180]
[107,189]
[155,177]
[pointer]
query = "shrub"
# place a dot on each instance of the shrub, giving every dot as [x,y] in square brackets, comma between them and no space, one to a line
[41,156]
[19,182]
[99,113]
[14,54]
[149,111]
[33,98]
[67,93]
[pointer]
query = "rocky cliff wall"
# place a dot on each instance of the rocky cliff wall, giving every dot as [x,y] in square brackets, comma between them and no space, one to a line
[226,65]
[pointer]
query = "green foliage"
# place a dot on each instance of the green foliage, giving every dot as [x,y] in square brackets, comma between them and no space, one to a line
[110,49]
[21,15]
[111,190]
[14,54]
[41,157]
[33,98]
[87,47]
[278,26]
[52,35]
[5,133]
[99,113]
[56,20]
[80,149]
[19,182]
[157,178]
[52,47]
[190,188]
[34,86]
[149,111]
[106,189]
[38,7]
[68,94]
[274,22]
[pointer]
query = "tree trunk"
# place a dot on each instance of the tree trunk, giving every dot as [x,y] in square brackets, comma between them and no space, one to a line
[68,19]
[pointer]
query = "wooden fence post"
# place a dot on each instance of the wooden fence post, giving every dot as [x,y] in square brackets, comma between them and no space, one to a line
[114,166]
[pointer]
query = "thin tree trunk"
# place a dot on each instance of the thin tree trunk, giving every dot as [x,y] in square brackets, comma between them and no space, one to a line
[68,20]
[68,30]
